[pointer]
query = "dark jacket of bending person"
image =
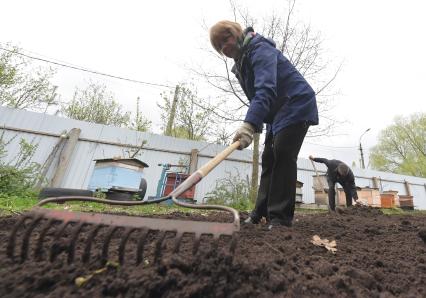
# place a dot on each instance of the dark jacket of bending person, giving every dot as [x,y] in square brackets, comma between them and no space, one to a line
[338,171]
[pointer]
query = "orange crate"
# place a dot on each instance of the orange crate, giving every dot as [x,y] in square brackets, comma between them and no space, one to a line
[387,200]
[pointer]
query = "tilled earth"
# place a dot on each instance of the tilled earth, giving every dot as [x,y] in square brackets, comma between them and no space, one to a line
[377,256]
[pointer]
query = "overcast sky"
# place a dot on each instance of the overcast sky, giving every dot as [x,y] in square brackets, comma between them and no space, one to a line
[381,44]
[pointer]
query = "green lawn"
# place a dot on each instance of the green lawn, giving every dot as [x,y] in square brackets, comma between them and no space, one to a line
[16,205]
[398,211]
[10,205]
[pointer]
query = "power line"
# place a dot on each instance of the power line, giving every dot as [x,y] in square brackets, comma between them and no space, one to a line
[86,70]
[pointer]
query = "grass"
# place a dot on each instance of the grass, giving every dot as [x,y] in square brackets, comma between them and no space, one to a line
[12,205]
[131,210]
[399,211]
[16,205]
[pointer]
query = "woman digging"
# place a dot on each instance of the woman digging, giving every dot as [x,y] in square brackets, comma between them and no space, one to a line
[280,97]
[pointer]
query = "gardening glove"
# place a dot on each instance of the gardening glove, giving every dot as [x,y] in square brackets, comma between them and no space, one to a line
[244,134]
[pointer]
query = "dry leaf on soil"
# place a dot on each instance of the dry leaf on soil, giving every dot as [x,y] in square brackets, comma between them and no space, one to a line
[329,245]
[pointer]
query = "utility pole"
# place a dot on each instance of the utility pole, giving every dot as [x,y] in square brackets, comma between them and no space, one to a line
[172,112]
[360,149]
[362,157]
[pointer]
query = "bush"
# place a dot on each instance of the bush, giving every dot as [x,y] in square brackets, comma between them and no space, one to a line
[231,191]
[15,181]
[18,176]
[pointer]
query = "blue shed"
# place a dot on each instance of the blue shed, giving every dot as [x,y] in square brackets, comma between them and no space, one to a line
[117,172]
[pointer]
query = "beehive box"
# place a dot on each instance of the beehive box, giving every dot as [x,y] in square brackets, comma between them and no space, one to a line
[387,200]
[367,195]
[394,193]
[406,202]
[117,172]
[299,192]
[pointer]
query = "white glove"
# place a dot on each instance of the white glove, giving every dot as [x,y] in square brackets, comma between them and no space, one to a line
[244,134]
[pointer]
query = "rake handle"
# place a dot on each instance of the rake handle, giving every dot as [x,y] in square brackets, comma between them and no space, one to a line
[200,174]
[204,170]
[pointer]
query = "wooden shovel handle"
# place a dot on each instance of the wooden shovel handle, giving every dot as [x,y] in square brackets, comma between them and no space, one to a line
[319,179]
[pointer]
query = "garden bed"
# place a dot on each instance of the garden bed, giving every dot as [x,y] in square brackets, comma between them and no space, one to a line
[377,255]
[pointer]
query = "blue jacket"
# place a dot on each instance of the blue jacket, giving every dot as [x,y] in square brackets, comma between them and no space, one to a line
[278,93]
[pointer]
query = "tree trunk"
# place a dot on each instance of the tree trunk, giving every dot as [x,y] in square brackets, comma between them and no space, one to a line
[255,170]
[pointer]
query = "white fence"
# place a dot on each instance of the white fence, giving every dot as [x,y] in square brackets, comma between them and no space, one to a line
[95,141]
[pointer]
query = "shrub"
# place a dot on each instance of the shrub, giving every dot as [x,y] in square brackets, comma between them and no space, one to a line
[15,181]
[231,191]
[17,177]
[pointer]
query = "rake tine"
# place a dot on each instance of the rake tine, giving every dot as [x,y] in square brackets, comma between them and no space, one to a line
[122,247]
[105,247]
[93,232]
[196,244]
[12,238]
[178,241]
[141,244]
[74,237]
[26,238]
[233,244]
[158,246]
[215,245]
[55,249]
[44,230]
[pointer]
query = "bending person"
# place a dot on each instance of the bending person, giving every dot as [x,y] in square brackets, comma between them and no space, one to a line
[338,171]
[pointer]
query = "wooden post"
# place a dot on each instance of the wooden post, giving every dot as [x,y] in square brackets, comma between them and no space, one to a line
[407,188]
[65,157]
[375,182]
[193,163]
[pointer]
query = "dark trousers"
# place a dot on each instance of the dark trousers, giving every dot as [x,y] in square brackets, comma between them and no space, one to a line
[277,190]
[349,188]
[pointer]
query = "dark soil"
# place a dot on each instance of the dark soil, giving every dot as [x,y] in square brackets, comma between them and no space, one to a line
[377,256]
